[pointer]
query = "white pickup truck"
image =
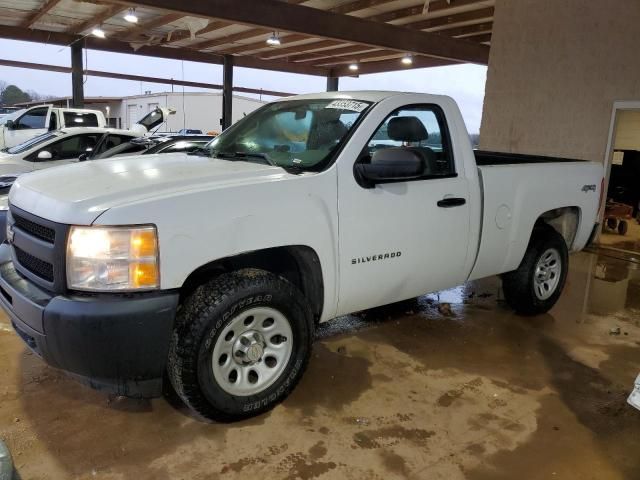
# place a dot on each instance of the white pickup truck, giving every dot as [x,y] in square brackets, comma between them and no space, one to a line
[23,125]
[216,268]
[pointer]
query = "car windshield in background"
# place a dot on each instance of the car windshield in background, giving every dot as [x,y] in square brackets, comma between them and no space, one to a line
[291,134]
[12,116]
[29,144]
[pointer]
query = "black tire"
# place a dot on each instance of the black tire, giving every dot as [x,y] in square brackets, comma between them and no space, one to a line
[623,227]
[612,223]
[519,285]
[199,323]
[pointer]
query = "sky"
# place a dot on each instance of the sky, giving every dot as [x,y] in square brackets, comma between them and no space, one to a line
[465,83]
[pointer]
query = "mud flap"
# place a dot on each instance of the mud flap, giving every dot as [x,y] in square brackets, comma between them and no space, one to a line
[634,398]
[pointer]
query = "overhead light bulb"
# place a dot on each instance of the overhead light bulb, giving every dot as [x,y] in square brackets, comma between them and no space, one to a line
[131,16]
[98,32]
[407,59]
[273,40]
[353,67]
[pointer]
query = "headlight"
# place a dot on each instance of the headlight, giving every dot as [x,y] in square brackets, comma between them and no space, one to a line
[113,258]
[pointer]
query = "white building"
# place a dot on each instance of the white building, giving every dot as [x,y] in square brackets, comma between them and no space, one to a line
[196,110]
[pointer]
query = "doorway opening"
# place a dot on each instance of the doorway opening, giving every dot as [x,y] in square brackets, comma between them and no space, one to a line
[620,215]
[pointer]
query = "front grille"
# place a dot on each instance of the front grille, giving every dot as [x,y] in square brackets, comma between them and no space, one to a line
[43,233]
[36,266]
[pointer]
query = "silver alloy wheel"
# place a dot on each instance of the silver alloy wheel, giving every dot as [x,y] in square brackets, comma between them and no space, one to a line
[547,274]
[252,351]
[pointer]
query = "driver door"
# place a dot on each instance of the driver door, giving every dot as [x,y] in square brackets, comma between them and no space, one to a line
[405,237]
[32,123]
[66,150]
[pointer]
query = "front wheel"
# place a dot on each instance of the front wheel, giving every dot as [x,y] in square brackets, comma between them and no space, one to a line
[538,282]
[240,345]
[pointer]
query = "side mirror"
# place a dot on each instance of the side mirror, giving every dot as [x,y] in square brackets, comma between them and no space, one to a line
[45,155]
[10,125]
[83,157]
[389,165]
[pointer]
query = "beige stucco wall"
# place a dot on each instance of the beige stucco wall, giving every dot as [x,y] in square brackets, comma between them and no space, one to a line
[555,69]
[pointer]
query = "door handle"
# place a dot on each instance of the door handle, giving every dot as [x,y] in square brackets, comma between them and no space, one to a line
[451,202]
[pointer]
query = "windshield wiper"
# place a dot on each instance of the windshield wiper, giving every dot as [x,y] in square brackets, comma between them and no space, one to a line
[244,155]
[204,152]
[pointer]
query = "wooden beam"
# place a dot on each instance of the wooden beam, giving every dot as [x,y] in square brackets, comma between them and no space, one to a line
[280,16]
[96,21]
[284,40]
[117,46]
[180,35]
[215,42]
[133,33]
[434,6]
[333,53]
[290,38]
[46,8]
[139,78]
[481,38]
[375,55]
[427,24]
[472,16]
[343,9]
[390,66]
[422,24]
[467,30]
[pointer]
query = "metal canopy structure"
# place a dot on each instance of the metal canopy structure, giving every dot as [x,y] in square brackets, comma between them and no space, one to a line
[317,37]
[330,38]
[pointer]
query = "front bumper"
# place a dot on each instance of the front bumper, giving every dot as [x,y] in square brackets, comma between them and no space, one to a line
[115,343]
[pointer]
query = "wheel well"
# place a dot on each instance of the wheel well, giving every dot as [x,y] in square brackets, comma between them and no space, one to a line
[298,264]
[563,220]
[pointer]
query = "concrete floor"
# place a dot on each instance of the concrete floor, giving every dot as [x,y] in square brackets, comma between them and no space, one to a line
[629,242]
[409,391]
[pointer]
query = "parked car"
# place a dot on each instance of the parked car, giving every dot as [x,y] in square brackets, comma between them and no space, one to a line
[150,145]
[25,124]
[59,147]
[215,268]
[189,131]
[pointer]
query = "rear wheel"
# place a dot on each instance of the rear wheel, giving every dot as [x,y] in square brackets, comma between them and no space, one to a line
[240,345]
[538,282]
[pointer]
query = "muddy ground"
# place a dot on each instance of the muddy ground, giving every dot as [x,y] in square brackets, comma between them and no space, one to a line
[451,386]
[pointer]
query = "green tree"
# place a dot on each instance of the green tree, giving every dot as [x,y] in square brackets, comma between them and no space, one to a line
[12,95]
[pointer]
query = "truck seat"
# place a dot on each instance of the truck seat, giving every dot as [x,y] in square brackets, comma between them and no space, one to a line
[412,130]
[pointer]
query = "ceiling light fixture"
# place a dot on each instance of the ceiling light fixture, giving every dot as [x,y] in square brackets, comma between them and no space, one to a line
[354,67]
[98,32]
[407,59]
[273,40]
[131,16]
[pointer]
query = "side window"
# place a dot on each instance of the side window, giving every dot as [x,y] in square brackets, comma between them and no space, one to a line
[78,119]
[73,146]
[113,141]
[422,130]
[35,118]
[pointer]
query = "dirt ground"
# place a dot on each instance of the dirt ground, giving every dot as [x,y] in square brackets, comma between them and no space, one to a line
[417,390]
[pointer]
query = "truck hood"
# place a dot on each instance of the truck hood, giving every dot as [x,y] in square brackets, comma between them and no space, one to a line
[79,193]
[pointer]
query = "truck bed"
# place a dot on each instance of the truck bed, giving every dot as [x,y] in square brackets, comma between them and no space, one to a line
[484,158]
[517,190]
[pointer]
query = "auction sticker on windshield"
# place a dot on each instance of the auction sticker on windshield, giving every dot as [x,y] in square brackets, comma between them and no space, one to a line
[634,398]
[352,105]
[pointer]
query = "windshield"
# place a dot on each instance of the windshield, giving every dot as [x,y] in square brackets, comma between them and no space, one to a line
[23,147]
[11,116]
[297,133]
